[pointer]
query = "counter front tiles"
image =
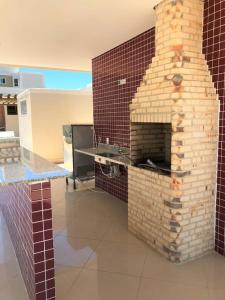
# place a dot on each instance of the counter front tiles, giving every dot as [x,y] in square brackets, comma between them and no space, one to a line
[25,201]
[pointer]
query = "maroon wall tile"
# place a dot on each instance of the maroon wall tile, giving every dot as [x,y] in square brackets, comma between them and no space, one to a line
[25,215]
[111,100]
[115,186]
[214,49]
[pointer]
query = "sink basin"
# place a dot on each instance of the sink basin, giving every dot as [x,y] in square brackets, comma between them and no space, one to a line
[107,154]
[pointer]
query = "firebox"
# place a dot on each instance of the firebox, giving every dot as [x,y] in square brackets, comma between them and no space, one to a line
[151,146]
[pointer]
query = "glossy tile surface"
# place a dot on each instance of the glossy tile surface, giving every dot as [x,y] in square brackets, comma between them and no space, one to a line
[97,258]
[97,285]
[11,283]
[213,48]
[111,100]
[158,290]
[107,262]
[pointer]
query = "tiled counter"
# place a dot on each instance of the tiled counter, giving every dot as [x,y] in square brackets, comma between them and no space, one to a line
[25,200]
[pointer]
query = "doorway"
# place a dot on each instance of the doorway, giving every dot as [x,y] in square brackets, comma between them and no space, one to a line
[2,118]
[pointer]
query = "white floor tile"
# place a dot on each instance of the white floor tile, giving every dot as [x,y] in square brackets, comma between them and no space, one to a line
[118,257]
[97,285]
[159,267]
[65,278]
[120,233]
[215,270]
[13,289]
[73,252]
[153,289]
[217,294]
[11,283]
[98,259]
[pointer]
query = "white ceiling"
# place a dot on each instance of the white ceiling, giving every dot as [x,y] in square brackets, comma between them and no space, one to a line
[67,34]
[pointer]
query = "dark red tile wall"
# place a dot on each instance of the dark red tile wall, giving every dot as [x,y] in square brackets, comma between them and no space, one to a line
[111,100]
[214,48]
[117,187]
[28,214]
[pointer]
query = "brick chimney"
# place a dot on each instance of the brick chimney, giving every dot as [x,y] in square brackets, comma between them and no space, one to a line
[174,119]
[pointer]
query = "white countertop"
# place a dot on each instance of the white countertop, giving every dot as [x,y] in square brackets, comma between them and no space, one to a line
[7,134]
[29,167]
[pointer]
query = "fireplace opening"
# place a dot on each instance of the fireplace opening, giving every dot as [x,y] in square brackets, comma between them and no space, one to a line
[151,146]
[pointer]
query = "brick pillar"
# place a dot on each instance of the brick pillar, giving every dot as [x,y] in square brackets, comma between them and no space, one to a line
[175,213]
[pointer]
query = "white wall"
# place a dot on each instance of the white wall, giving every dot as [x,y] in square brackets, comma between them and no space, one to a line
[11,122]
[8,70]
[26,80]
[50,109]
[31,80]
[25,123]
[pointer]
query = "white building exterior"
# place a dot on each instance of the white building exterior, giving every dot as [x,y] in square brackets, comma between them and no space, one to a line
[42,114]
[14,82]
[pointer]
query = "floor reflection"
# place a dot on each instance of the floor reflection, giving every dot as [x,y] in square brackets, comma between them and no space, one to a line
[98,259]
[11,283]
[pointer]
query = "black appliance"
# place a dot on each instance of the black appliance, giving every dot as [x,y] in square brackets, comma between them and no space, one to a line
[81,137]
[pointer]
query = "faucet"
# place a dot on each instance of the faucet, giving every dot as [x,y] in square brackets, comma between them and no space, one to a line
[118,148]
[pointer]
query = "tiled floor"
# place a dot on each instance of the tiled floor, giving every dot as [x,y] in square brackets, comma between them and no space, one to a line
[97,259]
[11,282]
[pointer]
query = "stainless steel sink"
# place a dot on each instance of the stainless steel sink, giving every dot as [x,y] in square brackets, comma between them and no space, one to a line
[107,154]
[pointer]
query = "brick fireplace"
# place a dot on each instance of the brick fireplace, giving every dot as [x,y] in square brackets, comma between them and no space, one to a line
[176,103]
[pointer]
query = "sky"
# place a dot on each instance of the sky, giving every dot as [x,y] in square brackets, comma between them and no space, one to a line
[55,79]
